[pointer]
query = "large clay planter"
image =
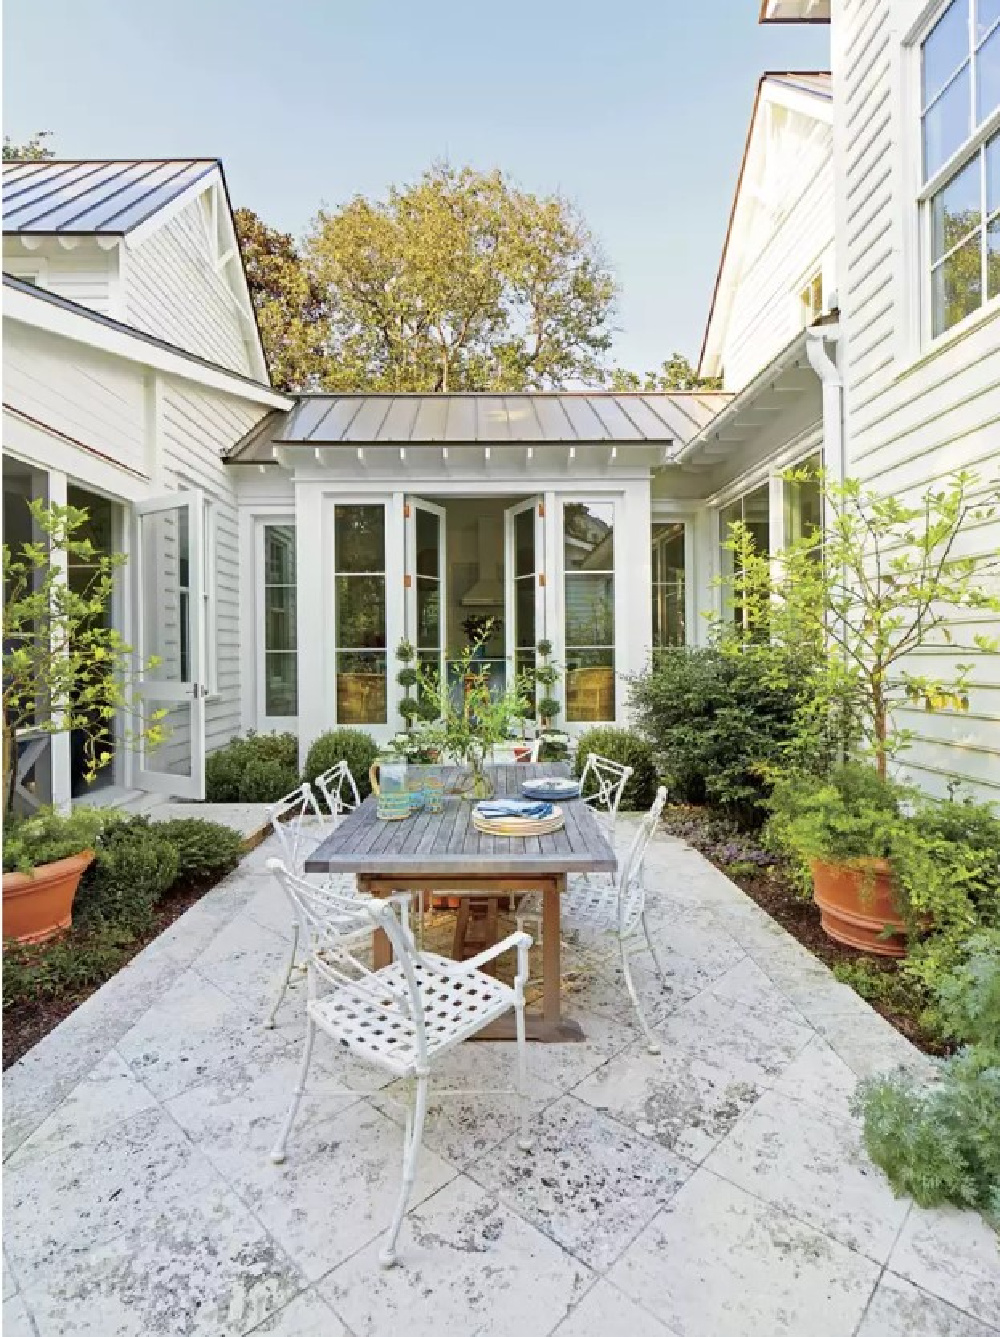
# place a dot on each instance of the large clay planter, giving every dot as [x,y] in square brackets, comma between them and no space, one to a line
[39,904]
[857,905]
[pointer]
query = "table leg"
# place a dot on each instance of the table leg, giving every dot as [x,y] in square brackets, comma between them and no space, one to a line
[381,947]
[551,967]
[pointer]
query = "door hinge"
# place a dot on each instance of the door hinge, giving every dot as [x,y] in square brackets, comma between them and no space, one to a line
[541,510]
[406,510]
[407,581]
[541,579]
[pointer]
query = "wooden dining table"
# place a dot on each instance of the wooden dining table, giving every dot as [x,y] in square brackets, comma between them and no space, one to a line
[443,853]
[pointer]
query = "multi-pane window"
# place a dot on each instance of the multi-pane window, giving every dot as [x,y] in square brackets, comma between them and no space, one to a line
[589,566]
[753,510]
[960,132]
[811,300]
[359,616]
[667,565]
[803,501]
[280,632]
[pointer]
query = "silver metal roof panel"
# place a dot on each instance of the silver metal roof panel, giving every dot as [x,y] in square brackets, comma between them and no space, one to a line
[93,197]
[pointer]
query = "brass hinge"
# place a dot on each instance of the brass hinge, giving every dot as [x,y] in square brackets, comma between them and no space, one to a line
[541,510]
[541,579]
[407,581]
[406,510]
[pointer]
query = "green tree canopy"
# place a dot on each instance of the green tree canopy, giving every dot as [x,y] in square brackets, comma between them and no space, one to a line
[32,150]
[676,373]
[461,281]
[291,307]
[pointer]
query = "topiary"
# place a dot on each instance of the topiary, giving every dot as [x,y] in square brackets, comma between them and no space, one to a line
[134,867]
[628,749]
[274,759]
[265,780]
[202,847]
[354,746]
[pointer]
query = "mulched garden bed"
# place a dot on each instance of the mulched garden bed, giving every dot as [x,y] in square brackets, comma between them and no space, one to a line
[25,1023]
[769,881]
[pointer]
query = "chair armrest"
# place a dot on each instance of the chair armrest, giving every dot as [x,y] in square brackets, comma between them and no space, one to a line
[520,941]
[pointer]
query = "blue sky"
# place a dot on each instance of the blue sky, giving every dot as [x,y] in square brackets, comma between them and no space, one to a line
[637,110]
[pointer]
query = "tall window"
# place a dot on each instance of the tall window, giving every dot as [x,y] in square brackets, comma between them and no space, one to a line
[753,509]
[280,632]
[359,566]
[960,133]
[589,565]
[803,501]
[668,584]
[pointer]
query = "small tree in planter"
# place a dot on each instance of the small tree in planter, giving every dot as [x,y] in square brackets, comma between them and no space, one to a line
[64,669]
[881,581]
[548,706]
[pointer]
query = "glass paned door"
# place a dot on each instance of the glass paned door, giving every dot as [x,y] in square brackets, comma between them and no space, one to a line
[170,584]
[524,609]
[426,583]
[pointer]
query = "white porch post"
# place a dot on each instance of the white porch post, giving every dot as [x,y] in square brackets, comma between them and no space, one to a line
[59,748]
[633,589]
[314,616]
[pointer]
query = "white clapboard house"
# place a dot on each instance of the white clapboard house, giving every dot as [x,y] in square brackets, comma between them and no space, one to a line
[281,547]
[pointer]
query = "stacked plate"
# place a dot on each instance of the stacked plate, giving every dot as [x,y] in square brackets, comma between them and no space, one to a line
[551,788]
[516,817]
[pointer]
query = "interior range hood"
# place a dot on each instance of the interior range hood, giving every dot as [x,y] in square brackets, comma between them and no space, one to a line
[488,590]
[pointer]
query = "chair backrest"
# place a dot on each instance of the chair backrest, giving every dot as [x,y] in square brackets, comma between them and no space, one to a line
[337,933]
[631,881]
[288,818]
[603,782]
[339,789]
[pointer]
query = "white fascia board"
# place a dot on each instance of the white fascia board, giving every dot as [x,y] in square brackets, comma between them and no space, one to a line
[42,315]
[811,105]
[144,230]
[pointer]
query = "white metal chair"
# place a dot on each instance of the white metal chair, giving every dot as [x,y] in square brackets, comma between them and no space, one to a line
[616,906]
[402,1017]
[289,819]
[602,784]
[339,789]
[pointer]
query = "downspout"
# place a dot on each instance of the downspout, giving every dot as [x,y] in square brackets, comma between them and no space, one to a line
[825,367]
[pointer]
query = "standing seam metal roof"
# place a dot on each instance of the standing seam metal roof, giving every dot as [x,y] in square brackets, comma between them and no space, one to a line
[543,418]
[50,196]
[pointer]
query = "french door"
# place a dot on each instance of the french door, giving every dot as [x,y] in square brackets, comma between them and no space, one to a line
[169,571]
[426,583]
[524,582]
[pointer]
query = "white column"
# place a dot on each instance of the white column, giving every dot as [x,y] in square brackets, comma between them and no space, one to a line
[706,596]
[59,752]
[633,588]
[314,612]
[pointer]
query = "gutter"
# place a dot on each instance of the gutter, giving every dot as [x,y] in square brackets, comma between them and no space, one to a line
[825,367]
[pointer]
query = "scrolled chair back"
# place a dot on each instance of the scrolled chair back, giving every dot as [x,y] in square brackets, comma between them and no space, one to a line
[289,818]
[631,879]
[603,782]
[339,789]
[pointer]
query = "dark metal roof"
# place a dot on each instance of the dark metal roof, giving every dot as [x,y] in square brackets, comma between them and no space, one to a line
[68,198]
[494,419]
[53,299]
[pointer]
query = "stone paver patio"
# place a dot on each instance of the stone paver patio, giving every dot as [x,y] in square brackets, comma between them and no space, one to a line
[716,1190]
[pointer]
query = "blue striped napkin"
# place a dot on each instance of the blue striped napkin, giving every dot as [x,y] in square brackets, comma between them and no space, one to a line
[494,809]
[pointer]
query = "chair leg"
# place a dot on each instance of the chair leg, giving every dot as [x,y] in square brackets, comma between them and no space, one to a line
[660,970]
[652,1043]
[524,1139]
[411,1151]
[283,986]
[278,1153]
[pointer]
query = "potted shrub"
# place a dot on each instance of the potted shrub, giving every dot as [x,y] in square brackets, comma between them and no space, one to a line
[880,582]
[64,669]
[44,858]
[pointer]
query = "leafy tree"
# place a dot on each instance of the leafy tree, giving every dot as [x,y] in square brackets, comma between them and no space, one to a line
[32,151]
[676,373]
[64,667]
[290,305]
[461,281]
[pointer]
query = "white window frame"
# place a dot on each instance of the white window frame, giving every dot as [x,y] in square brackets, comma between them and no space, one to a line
[28,268]
[209,603]
[913,112]
[395,616]
[619,647]
[267,723]
[663,512]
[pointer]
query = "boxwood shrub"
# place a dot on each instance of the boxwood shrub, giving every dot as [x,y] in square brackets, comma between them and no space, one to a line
[354,746]
[260,768]
[628,749]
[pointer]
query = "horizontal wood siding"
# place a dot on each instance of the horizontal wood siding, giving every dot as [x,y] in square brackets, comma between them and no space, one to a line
[172,290]
[910,424]
[783,250]
[95,399]
[83,275]
[196,427]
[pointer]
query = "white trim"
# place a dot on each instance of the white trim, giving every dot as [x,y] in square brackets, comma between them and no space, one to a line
[263,722]
[28,269]
[143,231]
[80,328]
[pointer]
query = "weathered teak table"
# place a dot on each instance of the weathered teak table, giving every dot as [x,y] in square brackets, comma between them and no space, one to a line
[443,853]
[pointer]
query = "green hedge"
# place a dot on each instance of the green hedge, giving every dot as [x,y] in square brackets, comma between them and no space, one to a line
[354,746]
[260,768]
[628,749]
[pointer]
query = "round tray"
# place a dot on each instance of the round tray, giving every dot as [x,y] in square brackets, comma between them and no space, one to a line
[520,826]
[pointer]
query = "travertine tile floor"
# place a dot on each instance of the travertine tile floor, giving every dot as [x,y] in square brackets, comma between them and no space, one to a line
[717,1190]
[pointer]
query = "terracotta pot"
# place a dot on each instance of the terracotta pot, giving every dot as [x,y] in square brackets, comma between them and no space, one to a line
[857,904]
[39,904]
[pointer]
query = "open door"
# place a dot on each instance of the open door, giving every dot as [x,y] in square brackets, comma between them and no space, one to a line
[170,583]
[524,582]
[426,577]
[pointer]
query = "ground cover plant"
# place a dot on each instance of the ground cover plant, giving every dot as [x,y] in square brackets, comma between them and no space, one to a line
[144,875]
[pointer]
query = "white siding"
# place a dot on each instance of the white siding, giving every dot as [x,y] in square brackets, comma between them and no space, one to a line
[786,243]
[910,423]
[173,290]
[84,275]
[195,427]
[95,399]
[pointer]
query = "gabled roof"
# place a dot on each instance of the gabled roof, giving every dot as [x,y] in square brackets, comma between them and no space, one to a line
[493,419]
[101,196]
[809,92]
